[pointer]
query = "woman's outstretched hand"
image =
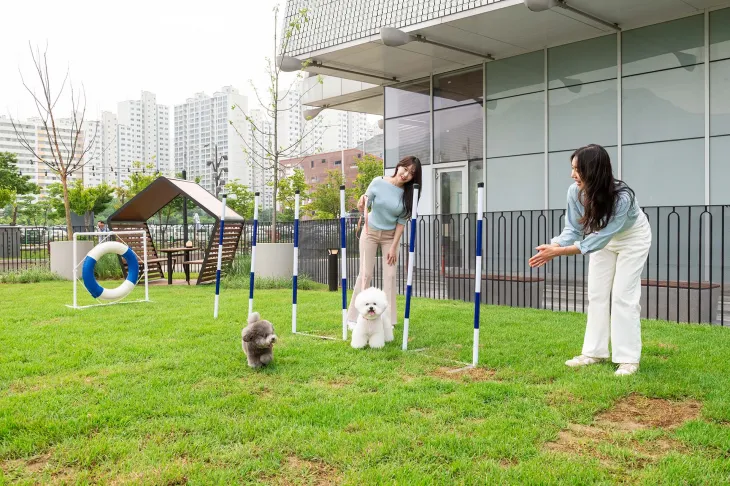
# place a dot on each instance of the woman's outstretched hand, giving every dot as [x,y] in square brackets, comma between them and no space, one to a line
[545,253]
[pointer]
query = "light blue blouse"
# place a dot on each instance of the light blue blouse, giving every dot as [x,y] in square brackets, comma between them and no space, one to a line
[624,217]
[386,199]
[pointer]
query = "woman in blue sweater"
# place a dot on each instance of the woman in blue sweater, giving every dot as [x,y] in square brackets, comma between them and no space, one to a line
[618,239]
[391,202]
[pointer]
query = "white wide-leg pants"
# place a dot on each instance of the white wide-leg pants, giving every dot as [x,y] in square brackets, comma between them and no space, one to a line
[614,295]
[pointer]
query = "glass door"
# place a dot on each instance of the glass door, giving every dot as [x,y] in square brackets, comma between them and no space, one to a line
[452,199]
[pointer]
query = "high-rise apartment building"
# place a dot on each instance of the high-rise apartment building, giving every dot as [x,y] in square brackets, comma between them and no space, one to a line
[33,131]
[205,123]
[143,133]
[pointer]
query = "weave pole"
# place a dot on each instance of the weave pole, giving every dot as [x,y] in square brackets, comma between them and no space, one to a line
[343,255]
[220,256]
[478,272]
[253,251]
[295,266]
[411,258]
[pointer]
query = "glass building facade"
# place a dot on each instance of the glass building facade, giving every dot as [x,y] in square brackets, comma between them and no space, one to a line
[657,97]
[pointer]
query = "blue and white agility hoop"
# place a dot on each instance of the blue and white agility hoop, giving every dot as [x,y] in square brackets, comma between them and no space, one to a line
[295,266]
[87,272]
[411,262]
[478,272]
[220,257]
[253,251]
[343,260]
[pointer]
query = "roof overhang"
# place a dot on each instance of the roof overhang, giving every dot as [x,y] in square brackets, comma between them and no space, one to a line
[501,29]
[161,192]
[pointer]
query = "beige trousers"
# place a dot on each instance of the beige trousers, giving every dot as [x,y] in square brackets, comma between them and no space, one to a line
[370,239]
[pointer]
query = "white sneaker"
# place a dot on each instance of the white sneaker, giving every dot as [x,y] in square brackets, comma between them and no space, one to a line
[625,369]
[583,360]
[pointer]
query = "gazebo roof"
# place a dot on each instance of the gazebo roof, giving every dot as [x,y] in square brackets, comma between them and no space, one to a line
[163,190]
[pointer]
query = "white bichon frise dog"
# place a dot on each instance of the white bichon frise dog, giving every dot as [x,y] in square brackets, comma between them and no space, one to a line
[373,326]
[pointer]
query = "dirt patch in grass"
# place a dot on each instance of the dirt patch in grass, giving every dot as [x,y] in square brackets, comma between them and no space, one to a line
[612,438]
[15,468]
[637,412]
[304,471]
[464,375]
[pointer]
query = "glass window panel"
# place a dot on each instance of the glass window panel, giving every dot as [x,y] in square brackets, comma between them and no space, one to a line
[476,175]
[407,136]
[720,170]
[459,134]
[458,88]
[663,46]
[666,173]
[515,126]
[516,75]
[664,105]
[583,114]
[407,99]
[516,183]
[720,34]
[582,62]
[559,179]
[720,98]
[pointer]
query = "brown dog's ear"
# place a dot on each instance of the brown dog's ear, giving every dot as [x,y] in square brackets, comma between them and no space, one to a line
[247,335]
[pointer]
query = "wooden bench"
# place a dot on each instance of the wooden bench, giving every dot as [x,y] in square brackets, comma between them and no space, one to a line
[680,301]
[510,290]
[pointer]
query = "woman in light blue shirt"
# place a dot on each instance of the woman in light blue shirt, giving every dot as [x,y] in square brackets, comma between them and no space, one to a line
[390,199]
[618,239]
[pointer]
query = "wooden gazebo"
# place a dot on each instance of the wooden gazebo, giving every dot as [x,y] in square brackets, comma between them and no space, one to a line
[134,215]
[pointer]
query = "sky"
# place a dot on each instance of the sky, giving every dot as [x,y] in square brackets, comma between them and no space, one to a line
[116,50]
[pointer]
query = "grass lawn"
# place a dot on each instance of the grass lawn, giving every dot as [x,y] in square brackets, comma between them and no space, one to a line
[159,393]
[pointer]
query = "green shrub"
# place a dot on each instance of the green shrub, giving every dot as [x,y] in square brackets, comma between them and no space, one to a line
[108,268]
[33,274]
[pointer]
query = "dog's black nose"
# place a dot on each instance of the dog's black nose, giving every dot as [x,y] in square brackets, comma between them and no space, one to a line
[371,308]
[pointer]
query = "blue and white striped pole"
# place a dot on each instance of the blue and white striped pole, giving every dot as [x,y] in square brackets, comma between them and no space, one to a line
[411,261]
[220,256]
[295,267]
[478,272]
[253,251]
[343,255]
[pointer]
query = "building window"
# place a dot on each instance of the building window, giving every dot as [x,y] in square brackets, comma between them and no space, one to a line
[663,112]
[458,114]
[516,132]
[407,127]
[338,162]
[581,86]
[719,106]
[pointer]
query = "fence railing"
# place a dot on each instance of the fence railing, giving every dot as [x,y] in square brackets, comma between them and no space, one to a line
[684,279]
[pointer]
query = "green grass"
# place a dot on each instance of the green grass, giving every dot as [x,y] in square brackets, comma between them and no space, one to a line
[159,393]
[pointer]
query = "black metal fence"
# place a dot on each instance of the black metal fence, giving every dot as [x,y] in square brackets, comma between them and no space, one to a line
[684,279]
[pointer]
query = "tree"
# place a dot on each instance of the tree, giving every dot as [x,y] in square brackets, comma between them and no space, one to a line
[67,150]
[139,178]
[36,212]
[243,202]
[325,197]
[263,149]
[287,192]
[368,168]
[13,185]
[82,200]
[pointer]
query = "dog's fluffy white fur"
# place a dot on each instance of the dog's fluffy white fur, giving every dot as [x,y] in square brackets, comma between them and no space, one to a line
[373,326]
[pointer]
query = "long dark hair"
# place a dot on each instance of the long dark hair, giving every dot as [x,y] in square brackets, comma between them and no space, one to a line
[600,191]
[407,162]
